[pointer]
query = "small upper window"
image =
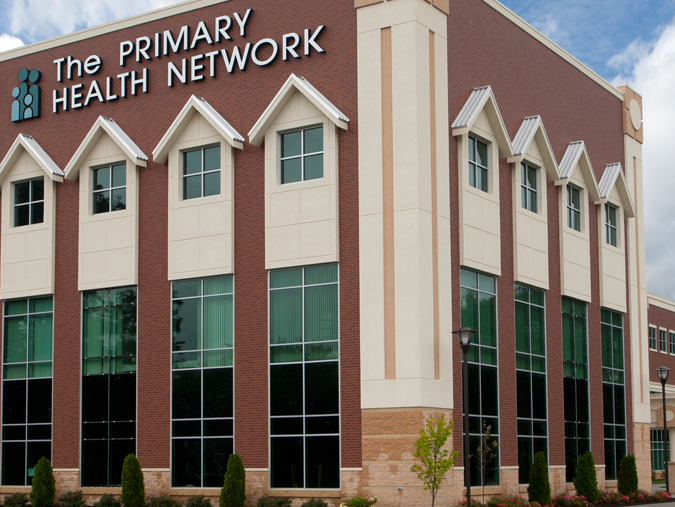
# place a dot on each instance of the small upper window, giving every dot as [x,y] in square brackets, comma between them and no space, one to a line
[610,224]
[478,164]
[201,172]
[29,202]
[528,187]
[302,155]
[573,208]
[663,340]
[652,338]
[110,188]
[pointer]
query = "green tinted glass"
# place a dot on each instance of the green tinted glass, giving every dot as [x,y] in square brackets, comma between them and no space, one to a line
[321,351]
[522,327]
[488,320]
[605,316]
[16,307]
[217,358]
[212,158]
[221,285]
[617,346]
[538,364]
[40,338]
[468,279]
[537,297]
[41,305]
[313,167]
[218,322]
[119,175]
[285,278]
[321,313]
[16,340]
[14,371]
[192,162]
[183,360]
[286,354]
[40,370]
[487,284]
[538,331]
[191,288]
[321,274]
[469,301]
[522,293]
[286,316]
[314,140]
[291,144]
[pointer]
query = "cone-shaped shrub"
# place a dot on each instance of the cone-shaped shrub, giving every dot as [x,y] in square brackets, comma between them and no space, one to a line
[539,489]
[628,476]
[133,487]
[43,492]
[233,493]
[585,479]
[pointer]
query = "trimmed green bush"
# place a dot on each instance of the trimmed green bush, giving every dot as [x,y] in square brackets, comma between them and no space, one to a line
[43,492]
[198,501]
[162,501]
[274,502]
[359,501]
[72,499]
[628,476]
[585,479]
[233,493]
[108,500]
[16,500]
[133,487]
[314,502]
[539,489]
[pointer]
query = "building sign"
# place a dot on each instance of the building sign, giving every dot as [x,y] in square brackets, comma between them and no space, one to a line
[205,60]
[26,103]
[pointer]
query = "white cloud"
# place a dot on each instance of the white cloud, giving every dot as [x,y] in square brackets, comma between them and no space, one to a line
[651,72]
[8,42]
[36,20]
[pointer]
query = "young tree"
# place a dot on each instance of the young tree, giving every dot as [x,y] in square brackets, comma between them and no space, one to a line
[486,453]
[133,486]
[435,460]
[585,478]
[43,492]
[539,489]
[233,493]
[628,476]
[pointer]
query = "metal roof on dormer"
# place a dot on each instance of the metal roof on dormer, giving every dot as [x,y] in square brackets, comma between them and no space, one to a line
[40,155]
[30,145]
[571,157]
[525,135]
[609,179]
[614,177]
[532,131]
[472,107]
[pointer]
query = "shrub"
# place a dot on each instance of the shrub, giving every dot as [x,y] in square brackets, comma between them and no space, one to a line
[360,501]
[16,500]
[162,501]
[628,476]
[564,500]
[539,489]
[274,502]
[198,501]
[43,492]
[585,479]
[233,493]
[72,499]
[500,501]
[314,502]
[108,500]
[133,487]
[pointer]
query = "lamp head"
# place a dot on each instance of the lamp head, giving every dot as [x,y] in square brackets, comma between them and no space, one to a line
[464,335]
[662,372]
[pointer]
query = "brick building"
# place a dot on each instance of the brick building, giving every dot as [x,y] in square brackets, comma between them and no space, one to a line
[253,226]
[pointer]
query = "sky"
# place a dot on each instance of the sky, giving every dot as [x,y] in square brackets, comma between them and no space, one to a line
[624,41]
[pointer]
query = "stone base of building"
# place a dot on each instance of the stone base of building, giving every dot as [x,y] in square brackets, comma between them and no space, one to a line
[67,479]
[557,477]
[157,481]
[642,448]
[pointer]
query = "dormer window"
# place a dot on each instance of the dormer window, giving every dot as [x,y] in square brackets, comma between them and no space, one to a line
[573,208]
[110,188]
[478,164]
[29,202]
[610,224]
[302,155]
[528,187]
[201,172]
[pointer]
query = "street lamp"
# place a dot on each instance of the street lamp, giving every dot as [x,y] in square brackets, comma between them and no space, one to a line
[464,335]
[663,376]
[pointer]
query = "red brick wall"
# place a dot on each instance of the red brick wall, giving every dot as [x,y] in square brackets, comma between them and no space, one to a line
[529,79]
[661,318]
[241,98]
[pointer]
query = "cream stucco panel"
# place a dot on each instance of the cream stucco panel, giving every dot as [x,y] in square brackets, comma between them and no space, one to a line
[27,257]
[108,242]
[301,219]
[479,212]
[200,230]
[575,246]
[612,259]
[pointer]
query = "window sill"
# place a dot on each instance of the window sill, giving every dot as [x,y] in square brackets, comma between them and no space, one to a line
[305,493]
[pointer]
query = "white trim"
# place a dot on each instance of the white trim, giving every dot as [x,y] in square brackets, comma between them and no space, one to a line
[661,302]
[353,469]
[509,467]
[540,37]
[155,470]
[36,152]
[257,469]
[66,470]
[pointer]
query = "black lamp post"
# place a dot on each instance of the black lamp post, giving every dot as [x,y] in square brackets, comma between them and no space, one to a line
[663,376]
[464,335]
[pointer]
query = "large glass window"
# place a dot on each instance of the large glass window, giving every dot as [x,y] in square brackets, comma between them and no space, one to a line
[530,378]
[110,188]
[671,336]
[302,155]
[108,384]
[479,312]
[304,378]
[613,391]
[658,450]
[575,383]
[610,224]
[652,338]
[478,164]
[528,187]
[202,393]
[29,202]
[26,388]
[663,340]
[201,172]
[573,208]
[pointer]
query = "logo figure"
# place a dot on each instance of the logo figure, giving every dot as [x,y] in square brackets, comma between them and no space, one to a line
[27,103]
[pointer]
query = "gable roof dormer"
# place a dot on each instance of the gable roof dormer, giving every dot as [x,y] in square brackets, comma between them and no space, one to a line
[576,155]
[614,177]
[31,146]
[532,130]
[102,126]
[195,105]
[483,99]
[294,83]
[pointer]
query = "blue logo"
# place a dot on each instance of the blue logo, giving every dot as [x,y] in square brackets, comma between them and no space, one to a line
[27,103]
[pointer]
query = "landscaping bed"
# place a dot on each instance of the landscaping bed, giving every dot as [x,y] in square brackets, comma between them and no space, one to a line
[607,499]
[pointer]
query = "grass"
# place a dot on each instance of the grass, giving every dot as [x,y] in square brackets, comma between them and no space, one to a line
[660,481]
